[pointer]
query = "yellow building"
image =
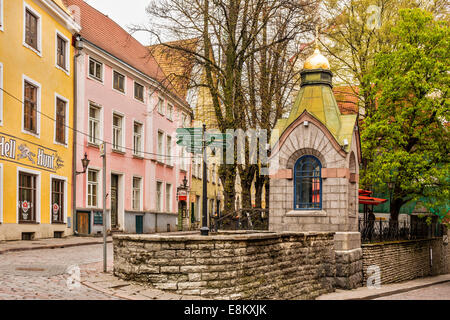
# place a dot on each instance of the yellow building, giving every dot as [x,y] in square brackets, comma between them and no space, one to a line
[36,114]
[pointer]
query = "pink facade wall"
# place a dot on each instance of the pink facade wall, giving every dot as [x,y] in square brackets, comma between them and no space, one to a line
[125,164]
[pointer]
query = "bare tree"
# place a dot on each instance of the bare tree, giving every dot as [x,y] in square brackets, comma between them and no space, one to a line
[244,47]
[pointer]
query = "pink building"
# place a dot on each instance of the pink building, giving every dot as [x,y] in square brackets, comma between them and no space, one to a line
[122,98]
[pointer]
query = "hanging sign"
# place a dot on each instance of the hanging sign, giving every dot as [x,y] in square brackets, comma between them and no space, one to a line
[27,153]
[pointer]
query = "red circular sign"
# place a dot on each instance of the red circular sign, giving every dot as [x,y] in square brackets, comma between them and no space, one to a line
[55,208]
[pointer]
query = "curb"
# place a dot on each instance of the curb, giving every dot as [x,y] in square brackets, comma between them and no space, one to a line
[55,246]
[393,292]
[104,291]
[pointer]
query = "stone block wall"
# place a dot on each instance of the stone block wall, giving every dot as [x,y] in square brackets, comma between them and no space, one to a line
[290,265]
[406,260]
[349,264]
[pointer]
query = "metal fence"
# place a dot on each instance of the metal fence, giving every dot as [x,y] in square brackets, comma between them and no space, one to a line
[243,219]
[384,230]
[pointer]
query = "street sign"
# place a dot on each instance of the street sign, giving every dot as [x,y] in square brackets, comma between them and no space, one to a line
[218,139]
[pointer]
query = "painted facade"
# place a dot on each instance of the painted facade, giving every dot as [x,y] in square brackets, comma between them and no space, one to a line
[36,109]
[122,100]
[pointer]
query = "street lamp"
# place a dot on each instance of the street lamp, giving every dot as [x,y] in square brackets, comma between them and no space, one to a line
[85,162]
[181,214]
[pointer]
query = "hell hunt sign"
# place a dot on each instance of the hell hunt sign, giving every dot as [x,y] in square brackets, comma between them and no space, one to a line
[24,152]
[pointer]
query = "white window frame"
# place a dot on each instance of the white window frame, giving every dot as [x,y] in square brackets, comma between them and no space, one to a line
[100,123]
[124,82]
[99,186]
[170,111]
[140,193]
[168,192]
[159,202]
[122,131]
[2,20]
[160,151]
[102,68]
[161,103]
[38,192]
[26,7]
[68,46]
[66,128]
[134,91]
[169,150]
[38,106]
[141,144]
[1,93]
[66,204]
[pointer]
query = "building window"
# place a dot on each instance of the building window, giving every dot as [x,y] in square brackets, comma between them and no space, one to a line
[60,127]
[139,91]
[159,196]
[62,52]
[307,183]
[95,69]
[117,132]
[213,173]
[27,197]
[161,105]
[137,193]
[58,206]
[119,82]
[183,120]
[160,146]
[32,29]
[92,188]
[30,107]
[137,139]
[169,151]
[94,124]
[169,111]
[168,197]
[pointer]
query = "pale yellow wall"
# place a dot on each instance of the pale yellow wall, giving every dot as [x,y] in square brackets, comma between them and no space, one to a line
[17,61]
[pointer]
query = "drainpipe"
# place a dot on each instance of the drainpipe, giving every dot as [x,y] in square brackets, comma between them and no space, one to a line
[79,47]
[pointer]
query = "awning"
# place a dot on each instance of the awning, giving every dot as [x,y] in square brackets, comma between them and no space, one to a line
[364,192]
[370,200]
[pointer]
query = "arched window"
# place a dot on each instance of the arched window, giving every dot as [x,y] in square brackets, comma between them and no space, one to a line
[308,183]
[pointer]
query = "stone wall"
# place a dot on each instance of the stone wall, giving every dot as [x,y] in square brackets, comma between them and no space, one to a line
[349,264]
[289,265]
[406,260]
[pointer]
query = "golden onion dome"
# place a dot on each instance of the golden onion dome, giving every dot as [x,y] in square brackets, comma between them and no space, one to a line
[316,61]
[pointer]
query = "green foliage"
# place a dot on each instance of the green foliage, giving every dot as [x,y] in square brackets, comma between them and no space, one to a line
[406,139]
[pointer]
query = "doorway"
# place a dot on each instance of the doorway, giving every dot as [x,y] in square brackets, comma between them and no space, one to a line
[83,223]
[114,200]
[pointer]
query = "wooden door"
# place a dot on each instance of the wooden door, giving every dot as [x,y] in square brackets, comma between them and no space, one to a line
[114,200]
[139,224]
[83,223]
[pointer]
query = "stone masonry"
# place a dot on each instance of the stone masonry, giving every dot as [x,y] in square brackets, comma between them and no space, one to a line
[287,265]
[406,260]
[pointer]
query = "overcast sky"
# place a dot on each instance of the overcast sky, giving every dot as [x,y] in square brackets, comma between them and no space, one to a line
[125,13]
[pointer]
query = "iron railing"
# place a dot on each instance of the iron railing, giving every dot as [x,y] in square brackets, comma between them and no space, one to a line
[243,219]
[385,230]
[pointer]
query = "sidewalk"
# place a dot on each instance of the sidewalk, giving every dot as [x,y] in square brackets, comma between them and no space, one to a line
[365,293]
[22,245]
[93,278]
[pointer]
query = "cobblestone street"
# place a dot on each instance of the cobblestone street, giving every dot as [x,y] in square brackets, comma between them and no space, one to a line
[44,274]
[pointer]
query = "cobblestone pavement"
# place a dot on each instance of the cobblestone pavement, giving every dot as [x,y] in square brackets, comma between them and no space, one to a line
[47,273]
[436,292]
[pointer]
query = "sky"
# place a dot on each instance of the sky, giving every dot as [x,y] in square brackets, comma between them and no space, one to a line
[125,13]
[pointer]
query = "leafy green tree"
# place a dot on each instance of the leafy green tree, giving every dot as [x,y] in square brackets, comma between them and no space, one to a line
[406,139]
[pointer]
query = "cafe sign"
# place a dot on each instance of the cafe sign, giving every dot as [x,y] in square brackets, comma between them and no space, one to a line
[17,150]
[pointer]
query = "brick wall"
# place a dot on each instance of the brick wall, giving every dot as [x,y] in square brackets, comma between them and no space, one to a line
[290,265]
[406,260]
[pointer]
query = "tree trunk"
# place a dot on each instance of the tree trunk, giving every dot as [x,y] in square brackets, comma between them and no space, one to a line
[395,206]
[267,186]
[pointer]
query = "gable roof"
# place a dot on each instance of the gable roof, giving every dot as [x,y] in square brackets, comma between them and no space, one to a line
[106,34]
